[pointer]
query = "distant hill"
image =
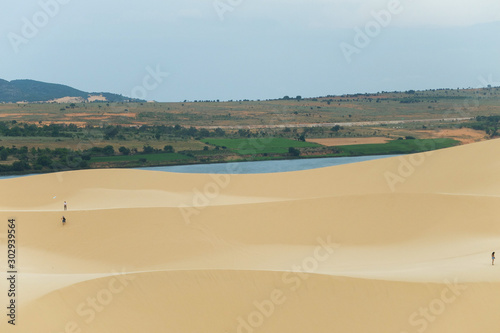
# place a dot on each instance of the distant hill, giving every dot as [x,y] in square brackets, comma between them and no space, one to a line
[35,91]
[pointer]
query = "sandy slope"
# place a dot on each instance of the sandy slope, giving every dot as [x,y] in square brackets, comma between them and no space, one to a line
[394,245]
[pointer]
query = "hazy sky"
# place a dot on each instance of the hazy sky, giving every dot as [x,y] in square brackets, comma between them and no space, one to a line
[179,50]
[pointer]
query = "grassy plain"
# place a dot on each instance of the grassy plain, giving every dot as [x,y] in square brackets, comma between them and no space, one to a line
[266,145]
[430,104]
[214,131]
[398,147]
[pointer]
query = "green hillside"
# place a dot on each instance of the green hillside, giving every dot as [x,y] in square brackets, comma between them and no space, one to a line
[35,91]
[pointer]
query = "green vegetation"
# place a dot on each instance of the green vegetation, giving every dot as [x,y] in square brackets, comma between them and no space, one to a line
[264,145]
[429,104]
[211,150]
[35,91]
[409,146]
[38,160]
[489,124]
[31,130]
[160,157]
[47,137]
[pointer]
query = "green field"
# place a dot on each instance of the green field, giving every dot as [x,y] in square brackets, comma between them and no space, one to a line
[167,157]
[45,137]
[399,147]
[264,145]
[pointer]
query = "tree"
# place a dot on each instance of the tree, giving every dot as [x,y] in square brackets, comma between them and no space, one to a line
[124,150]
[4,154]
[192,131]
[336,128]
[220,132]
[204,133]
[168,149]
[44,160]
[293,151]
[148,149]
[108,150]
[111,131]
[20,166]
[71,127]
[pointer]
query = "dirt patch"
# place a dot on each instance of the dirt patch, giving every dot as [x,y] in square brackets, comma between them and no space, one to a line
[80,124]
[77,114]
[348,141]
[464,135]
[67,99]
[97,118]
[126,114]
[103,115]
[94,98]
[5,115]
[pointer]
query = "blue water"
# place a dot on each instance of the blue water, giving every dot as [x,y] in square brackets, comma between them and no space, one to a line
[259,166]
[265,166]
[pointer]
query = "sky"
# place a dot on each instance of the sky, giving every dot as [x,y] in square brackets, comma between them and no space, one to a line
[176,50]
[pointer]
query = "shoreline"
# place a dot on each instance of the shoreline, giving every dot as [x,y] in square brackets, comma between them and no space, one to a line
[23,174]
[396,147]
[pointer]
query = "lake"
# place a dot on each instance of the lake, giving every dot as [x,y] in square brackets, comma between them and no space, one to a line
[259,166]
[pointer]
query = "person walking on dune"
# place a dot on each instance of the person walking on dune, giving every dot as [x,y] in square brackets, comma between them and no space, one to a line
[493,258]
[63,219]
[65,205]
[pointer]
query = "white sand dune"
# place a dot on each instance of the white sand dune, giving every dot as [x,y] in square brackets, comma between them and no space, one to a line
[394,245]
